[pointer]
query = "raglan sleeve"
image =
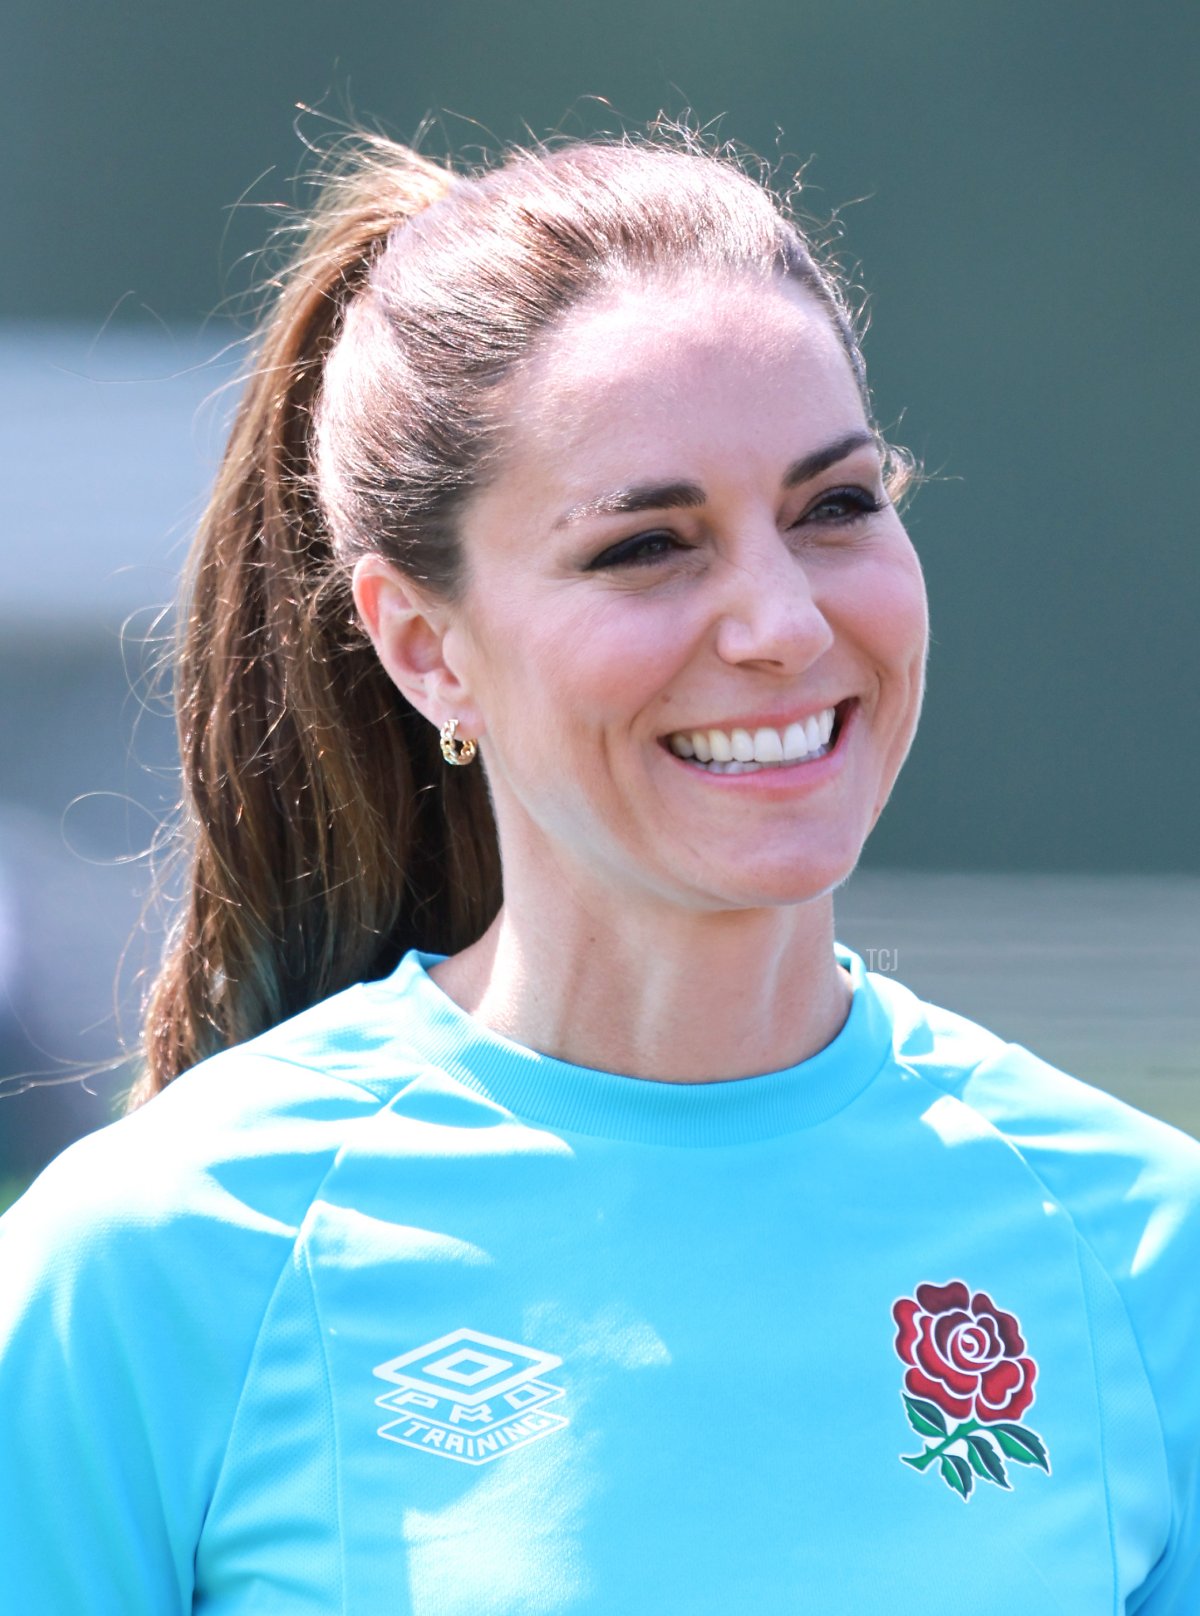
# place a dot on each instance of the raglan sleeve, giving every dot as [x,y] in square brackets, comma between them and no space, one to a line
[85,1502]
[1163,1291]
[1131,1186]
[134,1276]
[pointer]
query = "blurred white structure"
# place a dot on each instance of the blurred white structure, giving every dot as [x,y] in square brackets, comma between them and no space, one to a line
[108,443]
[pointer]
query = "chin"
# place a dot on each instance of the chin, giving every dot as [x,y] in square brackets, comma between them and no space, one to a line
[785,886]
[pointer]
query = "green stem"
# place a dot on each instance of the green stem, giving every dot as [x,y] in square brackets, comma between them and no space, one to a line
[924,1460]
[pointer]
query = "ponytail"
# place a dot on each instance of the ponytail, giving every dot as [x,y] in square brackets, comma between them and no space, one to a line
[323,832]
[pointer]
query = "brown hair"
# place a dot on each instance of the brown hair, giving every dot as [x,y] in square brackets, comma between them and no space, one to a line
[323,834]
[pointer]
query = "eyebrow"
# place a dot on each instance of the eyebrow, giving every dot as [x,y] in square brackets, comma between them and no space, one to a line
[684,495]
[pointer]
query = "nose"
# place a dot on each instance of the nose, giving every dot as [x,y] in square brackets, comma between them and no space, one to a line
[769,613]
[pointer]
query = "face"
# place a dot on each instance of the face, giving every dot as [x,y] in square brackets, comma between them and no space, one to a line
[693,630]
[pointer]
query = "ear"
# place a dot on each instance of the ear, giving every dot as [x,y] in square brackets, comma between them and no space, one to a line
[409,629]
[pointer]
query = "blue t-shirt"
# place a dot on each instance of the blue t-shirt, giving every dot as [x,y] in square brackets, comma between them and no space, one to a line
[382,1314]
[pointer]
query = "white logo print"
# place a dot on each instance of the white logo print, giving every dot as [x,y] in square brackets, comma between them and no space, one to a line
[470,1396]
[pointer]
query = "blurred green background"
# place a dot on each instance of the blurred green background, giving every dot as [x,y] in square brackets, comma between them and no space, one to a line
[1017,183]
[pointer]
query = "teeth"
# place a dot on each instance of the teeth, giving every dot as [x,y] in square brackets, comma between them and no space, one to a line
[737,751]
[768,748]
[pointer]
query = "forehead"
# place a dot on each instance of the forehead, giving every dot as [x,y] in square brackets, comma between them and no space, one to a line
[651,374]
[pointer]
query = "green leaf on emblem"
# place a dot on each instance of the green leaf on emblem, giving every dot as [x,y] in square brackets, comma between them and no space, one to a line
[1021,1444]
[985,1461]
[926,1418]
[956,1473]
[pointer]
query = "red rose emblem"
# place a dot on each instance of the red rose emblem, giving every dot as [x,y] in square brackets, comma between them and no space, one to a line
[964,1353]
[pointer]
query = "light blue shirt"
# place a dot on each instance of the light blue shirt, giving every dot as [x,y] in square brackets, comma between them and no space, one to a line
[381,1314]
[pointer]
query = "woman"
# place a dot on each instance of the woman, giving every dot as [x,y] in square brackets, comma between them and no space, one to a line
[624,1246]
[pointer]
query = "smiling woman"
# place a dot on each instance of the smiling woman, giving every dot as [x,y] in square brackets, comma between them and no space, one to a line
[762,579]
[543,1212]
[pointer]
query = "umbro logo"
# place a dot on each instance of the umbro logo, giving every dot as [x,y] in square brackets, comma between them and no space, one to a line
[470,1397]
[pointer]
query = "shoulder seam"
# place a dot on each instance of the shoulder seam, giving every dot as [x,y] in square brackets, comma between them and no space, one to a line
[344,1078]
[303,1254]
[289,1256]
[1101,1418]
[272,1291]
[1076,1230]
[295,1255]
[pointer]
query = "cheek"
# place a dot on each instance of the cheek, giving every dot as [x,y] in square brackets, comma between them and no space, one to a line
[572,702]
[599,667]
[890,614]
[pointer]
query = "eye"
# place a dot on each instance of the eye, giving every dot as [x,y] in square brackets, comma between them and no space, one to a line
[642,550]
[837,506]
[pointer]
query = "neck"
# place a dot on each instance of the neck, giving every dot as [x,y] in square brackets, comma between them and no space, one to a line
[656,991]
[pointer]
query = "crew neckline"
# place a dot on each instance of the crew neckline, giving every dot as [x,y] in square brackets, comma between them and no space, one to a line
[579,1099]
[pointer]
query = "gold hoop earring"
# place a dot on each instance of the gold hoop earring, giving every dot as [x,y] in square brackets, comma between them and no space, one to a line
[456,749]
